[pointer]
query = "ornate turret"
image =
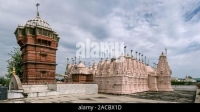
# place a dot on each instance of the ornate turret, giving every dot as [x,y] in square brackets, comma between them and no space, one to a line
[94,66]
[35,27]
[163,67]
[164,74]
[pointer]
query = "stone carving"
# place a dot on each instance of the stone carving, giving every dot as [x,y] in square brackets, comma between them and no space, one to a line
[161,81]
[130,74]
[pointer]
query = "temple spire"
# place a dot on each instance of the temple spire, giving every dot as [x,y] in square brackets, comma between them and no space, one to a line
[67,60]
[37,9]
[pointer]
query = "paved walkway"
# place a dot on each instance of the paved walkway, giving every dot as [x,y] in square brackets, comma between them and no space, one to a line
[81,98]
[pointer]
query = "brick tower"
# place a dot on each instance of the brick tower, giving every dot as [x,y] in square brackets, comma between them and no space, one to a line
[38,42]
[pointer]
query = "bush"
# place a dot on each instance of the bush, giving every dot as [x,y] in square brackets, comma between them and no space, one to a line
[4,81]
[183,83]
[177,83]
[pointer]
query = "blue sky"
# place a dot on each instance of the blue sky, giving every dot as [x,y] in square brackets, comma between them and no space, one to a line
[143,25]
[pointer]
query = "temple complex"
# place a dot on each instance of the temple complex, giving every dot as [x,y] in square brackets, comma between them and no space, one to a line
[127,75]
[123,75]
[38,42]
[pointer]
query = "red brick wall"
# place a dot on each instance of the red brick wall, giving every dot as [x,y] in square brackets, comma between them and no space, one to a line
[39,58]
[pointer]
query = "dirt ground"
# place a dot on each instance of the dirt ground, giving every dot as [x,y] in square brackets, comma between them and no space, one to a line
[175,96]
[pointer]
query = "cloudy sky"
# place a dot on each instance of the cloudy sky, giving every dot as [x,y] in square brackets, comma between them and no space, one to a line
[143,25]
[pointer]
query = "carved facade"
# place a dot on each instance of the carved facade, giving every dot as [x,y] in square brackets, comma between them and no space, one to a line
[78,73]
[128,75]
[38,42]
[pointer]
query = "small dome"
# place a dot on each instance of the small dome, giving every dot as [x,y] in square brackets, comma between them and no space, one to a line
[38,22]
[81,65]
[149,69]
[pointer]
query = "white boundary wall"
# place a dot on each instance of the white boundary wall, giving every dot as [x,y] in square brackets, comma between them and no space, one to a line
[74,88]
[53,90]
[185,87]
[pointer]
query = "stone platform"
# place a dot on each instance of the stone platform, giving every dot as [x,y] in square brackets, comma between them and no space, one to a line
[52,90]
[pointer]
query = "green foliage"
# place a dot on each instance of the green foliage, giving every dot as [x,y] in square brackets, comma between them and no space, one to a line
[182,83]
[177,83]
[190,77]
[17,59]
[4,81]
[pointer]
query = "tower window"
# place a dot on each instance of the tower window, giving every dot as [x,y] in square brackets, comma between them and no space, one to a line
[21,32]
[49,43]
[45,32]
[48,34]
[39,41]
[43,72]
[32,31]
[40,31]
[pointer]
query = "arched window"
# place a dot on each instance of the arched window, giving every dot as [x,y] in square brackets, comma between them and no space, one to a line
[40,31]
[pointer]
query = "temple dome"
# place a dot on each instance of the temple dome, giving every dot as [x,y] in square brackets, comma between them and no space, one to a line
[81,65]
[150,69]
[38,22]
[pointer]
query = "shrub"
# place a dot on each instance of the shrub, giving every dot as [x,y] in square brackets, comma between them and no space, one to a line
[4,81]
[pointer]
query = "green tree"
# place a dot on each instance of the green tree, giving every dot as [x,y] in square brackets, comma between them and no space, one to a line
[190,77]
[4,81]
[16,59]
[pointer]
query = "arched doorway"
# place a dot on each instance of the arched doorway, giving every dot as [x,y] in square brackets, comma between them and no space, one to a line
[12,86]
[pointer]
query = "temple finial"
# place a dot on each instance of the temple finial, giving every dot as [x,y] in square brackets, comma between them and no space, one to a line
[37,9]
